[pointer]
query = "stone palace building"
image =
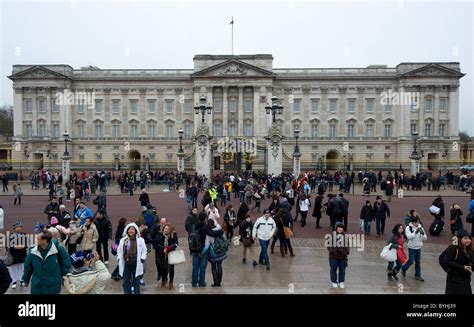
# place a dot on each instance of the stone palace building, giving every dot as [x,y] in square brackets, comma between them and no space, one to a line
[354,118]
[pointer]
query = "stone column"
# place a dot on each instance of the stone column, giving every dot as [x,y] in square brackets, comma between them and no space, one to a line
[18,112]
[453,110]
[225,111]
[34,122]
[180,156]
[274,151]
[240,112]
[296,164]
[66,167]
[203,150]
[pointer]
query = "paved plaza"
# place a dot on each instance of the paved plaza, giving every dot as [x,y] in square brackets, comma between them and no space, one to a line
[307,272]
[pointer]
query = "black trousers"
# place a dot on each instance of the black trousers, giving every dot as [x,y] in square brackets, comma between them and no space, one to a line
[71,248]
[217,272]
[105,245]
[19,200]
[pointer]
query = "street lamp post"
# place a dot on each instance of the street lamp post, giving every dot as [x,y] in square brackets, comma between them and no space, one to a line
[296,155]
[274,109]
[66,169]
[202,108]
[180,153]
[415,156]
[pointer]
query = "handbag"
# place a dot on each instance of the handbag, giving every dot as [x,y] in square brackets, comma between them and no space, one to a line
[286,230]
[470,218]
[176,257]
[114,248]
[435,210]
[388,253]
[8,258]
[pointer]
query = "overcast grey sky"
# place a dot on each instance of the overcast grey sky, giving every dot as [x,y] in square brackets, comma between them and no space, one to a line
[157,34]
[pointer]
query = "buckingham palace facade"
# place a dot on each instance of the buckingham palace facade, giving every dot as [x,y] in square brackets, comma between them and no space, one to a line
[352,118]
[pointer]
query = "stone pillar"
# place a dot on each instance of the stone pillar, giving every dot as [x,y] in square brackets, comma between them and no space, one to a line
[453,110]
[180,156]
[296,164]
[240,112]
[415,166]
[225,112]
[274,151]
[203,150]
[66,168]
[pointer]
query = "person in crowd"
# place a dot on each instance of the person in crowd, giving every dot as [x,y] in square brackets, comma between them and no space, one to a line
[381,213]
[212,212]
[366,215]
[283,219]
[338,257]
[438,202]
[242,213]
[118,236]
[89,274]
[412,213]
[18,246]
[215,252]
[396,241]
[5,183]
[166,242]
[18,193]
[5,278]
[131,254]
[63,215]
[52,209]
[230,220]
[144,200]
[318,209]
[304,205]
[345,210]
[416,235]
[459,260]
[245,232]
[88,236]
[45,265]
[263,230]
[104,229]
[83,213]
[455,220]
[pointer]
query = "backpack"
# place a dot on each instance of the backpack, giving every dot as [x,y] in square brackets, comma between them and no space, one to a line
[220,247]
[443,258]
[194,241]
[436,227]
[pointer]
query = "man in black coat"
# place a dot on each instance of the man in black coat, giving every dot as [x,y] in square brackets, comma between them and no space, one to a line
[104,228]
[52,209]
[345,211]
[5,279]
[381,212]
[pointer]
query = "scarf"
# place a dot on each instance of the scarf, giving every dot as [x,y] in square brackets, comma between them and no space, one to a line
[130,248]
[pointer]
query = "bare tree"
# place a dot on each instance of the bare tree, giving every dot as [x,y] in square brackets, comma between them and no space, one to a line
[464,136]
[6,120]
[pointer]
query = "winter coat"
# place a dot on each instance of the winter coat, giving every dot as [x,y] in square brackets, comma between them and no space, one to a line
[104,228]
[88,282]
[144,199]
[63,215]
[318,205]
[245,229]
[212,214]
[264,229]
[51,210]
[46,268]
[338,252]
[382,211]
[242,213]
[440,204]
[367,213]
[159,245]
[74,231]
[458,280]
[89,237]
[397,243]
[456,217]
[19,255]
[230,218]
[141,251]
[5,278]
[415,240]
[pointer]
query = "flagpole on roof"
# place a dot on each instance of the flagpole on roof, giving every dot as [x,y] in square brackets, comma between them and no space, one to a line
[232,35]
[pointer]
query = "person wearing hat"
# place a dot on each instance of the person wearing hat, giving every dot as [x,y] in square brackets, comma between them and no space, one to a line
[89,275]
[460,259]
[366,216]
[17,247]
[263,230]
[131,255]
[338,252]
[416,235]
[381,212]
